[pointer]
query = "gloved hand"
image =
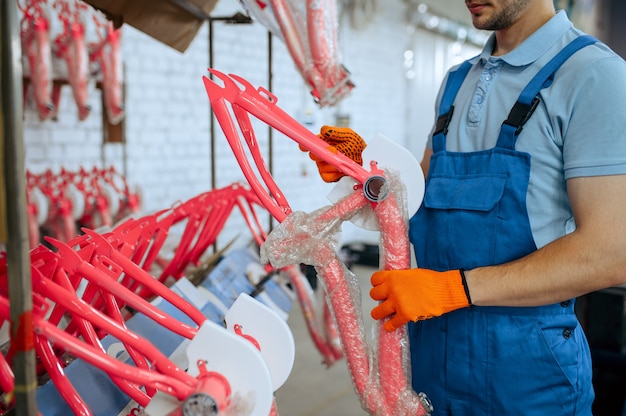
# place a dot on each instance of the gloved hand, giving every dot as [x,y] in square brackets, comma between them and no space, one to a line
[416,294]
[340,139]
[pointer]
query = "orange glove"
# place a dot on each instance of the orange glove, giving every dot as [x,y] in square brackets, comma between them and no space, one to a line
[340,139]
[416,294]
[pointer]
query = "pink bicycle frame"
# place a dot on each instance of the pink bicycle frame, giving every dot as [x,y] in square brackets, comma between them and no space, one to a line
[161,375]
[130,202]
[112,266]
[204,217]
[107,55]
[263,105]
[96,213]
[70,46]
[60,221]
[310,37]
[35,38]
[52,278]
[333,80]
[383,388]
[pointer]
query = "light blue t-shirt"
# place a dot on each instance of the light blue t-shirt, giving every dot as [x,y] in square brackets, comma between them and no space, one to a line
[578,129]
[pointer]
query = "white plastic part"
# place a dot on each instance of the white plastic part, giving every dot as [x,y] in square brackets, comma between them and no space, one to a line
[271,332]
[265,15]
[233,357]
[112,196]
[78,200]
[41,201]
[388,155]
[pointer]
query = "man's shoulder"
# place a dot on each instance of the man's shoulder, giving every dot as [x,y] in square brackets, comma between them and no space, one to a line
[593,61]
[596,53]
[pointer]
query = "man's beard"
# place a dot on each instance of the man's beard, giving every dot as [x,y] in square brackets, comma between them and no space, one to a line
[505,16]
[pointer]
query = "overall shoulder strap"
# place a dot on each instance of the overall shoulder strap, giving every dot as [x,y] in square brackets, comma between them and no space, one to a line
[529,97]
[455,79]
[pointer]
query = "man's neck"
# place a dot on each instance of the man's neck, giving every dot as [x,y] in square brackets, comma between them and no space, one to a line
[511,37]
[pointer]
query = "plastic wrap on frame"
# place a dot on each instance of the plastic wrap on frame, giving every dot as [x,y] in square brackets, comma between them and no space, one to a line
[263,12]
[327,343]
[309,30]
[313,239]
[330,77]
[307,238]
[392,216]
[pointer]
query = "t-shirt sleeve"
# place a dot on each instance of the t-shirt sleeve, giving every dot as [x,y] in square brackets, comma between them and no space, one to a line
[594,131]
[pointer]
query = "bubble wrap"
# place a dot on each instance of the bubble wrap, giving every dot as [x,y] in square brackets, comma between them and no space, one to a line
[379,368]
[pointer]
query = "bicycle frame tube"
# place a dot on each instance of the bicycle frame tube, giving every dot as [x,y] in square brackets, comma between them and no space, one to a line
[90,335]
[104,273]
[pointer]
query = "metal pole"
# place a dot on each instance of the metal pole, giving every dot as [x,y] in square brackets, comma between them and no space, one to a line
[211,119]
[237,18]
[270,76]
[18,262]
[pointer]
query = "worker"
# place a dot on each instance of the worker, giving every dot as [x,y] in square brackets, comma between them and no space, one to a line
[523,212]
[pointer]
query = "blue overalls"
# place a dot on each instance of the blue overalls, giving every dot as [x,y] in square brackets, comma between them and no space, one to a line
[497,361]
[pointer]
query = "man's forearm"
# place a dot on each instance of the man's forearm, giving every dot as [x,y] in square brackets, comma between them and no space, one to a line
[564,269]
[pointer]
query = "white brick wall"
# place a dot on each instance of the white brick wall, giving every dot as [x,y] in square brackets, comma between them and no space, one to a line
[167,153]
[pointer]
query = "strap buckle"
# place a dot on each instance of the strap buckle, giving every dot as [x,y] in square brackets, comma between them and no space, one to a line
[520,113]
[443,122]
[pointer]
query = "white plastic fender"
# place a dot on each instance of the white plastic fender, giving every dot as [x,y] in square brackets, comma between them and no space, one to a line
[78,200]
[237,360]
[41,201]
[388,155]
[269,330]
[112,197]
